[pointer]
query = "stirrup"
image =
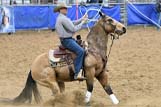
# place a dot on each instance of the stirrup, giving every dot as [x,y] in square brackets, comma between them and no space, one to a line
[80,78]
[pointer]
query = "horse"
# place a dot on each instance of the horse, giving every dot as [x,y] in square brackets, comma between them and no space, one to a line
[95,61]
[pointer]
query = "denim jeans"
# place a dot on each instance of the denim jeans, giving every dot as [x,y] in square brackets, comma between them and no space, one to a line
[71,44]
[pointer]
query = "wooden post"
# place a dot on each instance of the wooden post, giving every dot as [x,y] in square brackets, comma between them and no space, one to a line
[77,9]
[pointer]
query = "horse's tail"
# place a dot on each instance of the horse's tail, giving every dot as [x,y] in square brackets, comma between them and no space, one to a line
[26,94]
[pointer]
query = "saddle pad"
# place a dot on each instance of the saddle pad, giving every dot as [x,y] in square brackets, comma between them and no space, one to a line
[52,58]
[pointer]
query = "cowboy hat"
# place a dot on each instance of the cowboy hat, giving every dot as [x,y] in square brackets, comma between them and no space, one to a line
[60,6]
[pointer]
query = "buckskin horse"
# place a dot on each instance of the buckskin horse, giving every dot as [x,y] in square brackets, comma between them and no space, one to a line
[94,65]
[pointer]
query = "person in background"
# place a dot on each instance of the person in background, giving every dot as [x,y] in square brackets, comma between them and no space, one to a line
[4,20]
[13,2]
[100,1]
[88,1]
[158,8]
[95,1]
[66,30]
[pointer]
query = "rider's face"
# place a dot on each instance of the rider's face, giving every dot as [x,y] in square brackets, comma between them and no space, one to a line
[5,20]
[63,11]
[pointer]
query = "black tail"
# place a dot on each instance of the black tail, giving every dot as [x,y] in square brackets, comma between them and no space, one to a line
[26,94]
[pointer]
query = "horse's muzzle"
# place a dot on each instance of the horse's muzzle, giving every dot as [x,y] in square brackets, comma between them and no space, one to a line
[124,30]
[121,32]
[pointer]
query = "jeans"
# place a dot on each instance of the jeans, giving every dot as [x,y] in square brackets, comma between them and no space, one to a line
[71,44]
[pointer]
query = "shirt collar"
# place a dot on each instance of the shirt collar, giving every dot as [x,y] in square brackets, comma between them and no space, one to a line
[62,14]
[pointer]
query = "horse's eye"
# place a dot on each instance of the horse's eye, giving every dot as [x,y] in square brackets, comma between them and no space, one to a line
[110,20]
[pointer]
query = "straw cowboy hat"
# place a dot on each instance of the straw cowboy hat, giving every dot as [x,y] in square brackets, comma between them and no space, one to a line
[60,6]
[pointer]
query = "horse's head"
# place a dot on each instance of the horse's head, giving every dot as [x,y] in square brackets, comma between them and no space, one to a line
[111,25]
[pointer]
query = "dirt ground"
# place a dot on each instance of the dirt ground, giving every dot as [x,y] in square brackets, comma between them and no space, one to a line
[134,69]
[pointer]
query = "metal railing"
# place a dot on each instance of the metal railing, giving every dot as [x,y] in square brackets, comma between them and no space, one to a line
[69,2]
[107,3]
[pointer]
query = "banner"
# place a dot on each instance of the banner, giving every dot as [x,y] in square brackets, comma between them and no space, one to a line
[134,17]
[52,17]
[93,14]
[31,17]
[39,17]
[6,19]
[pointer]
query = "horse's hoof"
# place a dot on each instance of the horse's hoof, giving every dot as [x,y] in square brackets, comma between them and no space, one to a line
[114,99]
[88,104]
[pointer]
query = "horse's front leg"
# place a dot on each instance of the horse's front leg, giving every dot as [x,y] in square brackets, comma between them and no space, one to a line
[89,82]
[61,86]
[103,79]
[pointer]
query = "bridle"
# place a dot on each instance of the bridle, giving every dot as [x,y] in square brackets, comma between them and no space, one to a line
[113,37]
[113,27]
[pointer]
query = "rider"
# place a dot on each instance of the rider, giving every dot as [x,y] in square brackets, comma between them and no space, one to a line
[66,29]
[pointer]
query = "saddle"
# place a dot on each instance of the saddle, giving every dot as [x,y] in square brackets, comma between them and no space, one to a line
[62,56]
[61,52]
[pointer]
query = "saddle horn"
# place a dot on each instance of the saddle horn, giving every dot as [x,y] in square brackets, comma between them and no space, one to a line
[101,14]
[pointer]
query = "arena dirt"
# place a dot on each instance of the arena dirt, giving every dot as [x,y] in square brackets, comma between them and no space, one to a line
[134,69]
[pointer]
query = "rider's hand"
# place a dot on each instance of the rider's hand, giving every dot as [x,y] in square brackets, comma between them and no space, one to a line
[85,18]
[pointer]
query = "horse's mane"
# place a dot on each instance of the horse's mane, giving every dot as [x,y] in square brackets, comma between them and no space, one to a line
[97,39]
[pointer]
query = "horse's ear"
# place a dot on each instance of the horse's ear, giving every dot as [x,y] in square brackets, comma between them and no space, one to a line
[101,14]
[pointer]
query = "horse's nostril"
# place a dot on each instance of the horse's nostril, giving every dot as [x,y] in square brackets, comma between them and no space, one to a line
[124,30]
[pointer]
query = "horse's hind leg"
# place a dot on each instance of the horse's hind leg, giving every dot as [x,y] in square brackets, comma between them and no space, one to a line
[50,80]
[53,85]
[61,86]
[103,79]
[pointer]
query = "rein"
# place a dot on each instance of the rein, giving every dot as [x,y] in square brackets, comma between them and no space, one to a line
[113,37]
[106,59]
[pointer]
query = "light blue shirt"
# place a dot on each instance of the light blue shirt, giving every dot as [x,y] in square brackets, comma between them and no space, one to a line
[65,27]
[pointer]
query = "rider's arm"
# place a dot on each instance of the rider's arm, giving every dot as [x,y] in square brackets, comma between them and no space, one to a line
[69,26]
[76,22]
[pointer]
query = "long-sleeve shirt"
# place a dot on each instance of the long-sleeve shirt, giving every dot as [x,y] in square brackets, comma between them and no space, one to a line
[65,27]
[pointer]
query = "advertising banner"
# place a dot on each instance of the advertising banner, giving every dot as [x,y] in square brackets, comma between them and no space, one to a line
[6,19]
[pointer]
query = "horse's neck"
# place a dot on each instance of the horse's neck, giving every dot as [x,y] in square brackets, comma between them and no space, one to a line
[97,40]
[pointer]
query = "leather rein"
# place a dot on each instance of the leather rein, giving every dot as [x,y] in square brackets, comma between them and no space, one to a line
[113,37]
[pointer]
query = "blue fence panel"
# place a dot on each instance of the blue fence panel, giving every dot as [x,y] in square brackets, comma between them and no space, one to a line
[93,13]
[134,17]
[113,12]
[52,17]
[72,12]
[37,17]
[31,17]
